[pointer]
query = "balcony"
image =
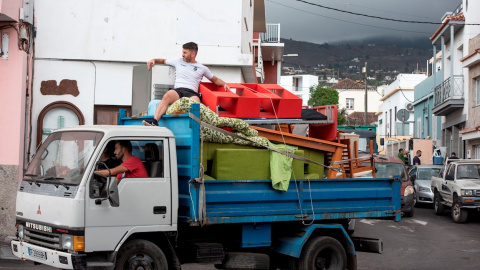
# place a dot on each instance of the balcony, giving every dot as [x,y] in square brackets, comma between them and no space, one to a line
[272,35]
[448,97]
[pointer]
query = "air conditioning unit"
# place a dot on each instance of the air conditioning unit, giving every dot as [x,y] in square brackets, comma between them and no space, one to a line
[409,106]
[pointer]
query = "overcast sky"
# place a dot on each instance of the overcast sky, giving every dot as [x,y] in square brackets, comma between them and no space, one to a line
[304,22]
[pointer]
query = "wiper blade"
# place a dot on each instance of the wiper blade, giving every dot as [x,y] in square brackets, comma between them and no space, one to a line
[32,179]
[58,182]
[54,178]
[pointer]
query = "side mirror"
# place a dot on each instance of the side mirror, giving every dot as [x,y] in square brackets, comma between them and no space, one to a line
[112,195]
[448,177]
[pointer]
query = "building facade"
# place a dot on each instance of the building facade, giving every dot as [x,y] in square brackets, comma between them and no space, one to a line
[471,133]
[450,95]
[299,85]
[398,98]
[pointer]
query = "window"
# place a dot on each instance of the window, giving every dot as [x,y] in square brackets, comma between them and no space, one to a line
[477,84]
[350,103]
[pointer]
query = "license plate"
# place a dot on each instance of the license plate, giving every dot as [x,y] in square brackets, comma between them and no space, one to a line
[37,254]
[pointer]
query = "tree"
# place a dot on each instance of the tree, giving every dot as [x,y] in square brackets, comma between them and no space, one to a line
[323,95]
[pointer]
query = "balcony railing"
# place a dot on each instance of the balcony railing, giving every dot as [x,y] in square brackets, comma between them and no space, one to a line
[272,35]
[444,91]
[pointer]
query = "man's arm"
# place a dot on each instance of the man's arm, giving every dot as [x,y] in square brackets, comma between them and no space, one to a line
[219,82]
[114,171]
[151,63]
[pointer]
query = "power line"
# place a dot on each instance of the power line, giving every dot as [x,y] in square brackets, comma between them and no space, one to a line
[371,16]
[356,23]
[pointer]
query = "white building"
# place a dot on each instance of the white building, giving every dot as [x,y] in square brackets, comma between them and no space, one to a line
[351,95]
[397,96]
[299,85]
[85,51]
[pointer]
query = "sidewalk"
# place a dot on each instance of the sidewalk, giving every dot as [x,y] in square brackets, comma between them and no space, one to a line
[5,251]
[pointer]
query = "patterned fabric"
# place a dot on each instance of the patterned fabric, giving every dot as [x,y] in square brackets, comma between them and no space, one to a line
[240,127]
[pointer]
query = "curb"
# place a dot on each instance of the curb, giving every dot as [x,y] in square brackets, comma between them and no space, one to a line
[5,251]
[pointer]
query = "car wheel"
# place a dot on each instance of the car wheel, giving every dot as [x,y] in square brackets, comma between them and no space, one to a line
[459,215]
[410,214]
[322,252]
[141,254]
[437,204]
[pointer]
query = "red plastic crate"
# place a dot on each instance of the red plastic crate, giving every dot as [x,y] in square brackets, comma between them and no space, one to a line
[251,101]
[327,132]
[277,101]
[239,102]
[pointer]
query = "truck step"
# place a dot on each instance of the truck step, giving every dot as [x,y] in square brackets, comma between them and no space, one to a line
[207,252]
[368,244]
[99,264]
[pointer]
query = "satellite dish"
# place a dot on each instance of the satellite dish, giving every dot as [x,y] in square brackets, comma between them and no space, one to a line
[403,115]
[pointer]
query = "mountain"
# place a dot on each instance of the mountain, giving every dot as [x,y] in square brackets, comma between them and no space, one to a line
[383,56]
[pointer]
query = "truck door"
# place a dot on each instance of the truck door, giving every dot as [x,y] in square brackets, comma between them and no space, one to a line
[447,184]
[145,203]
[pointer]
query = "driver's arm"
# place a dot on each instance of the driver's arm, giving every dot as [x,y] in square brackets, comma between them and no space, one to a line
[114,171]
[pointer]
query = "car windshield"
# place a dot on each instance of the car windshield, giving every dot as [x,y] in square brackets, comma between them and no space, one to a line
[468,171]
[387,170]
[427,173]
[63,156]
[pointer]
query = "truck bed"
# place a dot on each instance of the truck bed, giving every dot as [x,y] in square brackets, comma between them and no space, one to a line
[240,201]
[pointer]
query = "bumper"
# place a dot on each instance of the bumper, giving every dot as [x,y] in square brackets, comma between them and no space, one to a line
[469,202]
[407,203]
[424,197]
[58,259]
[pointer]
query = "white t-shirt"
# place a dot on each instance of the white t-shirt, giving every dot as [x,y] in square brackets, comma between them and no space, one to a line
[188,75]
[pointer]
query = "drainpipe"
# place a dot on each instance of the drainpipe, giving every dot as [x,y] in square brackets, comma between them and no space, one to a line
[452,61]
[434,71]
[442,40]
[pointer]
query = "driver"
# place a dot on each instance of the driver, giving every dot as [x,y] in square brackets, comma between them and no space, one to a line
[131,167]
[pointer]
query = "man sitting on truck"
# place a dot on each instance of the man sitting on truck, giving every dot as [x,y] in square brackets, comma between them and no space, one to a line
[188,74]
[131,166]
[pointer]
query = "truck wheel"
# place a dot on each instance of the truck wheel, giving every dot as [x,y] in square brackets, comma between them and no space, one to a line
[459,215]
[323,252]
[141,254]
[437,204]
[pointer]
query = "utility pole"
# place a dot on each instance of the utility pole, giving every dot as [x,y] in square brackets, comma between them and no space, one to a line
[366,113]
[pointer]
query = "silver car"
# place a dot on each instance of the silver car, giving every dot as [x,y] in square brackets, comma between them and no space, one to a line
[421,176]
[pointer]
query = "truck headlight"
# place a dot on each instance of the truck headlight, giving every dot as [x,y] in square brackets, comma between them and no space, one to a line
[467,192]
[66,241]
[408,190]
[21,231]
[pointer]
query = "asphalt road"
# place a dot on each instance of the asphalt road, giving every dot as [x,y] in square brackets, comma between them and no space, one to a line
[425,241]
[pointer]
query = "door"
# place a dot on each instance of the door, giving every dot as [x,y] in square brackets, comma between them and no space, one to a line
[447,185]
[145,203]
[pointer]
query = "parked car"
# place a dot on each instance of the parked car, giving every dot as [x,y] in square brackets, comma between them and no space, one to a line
[421,177]
[390,166]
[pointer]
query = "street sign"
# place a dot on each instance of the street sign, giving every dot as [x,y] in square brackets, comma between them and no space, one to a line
[403,115]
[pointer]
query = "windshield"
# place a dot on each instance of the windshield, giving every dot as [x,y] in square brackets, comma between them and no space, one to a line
[468,171]
[427,173]
[63,157]
[387,170]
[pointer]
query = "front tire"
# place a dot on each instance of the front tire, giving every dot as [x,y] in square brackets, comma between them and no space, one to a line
[141,254]
[323,252]
[459,215]
[437,204]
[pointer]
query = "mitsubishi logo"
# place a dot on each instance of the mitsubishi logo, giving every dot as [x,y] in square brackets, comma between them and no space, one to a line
[39,212]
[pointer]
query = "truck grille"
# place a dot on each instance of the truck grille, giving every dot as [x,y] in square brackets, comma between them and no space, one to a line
[44,239]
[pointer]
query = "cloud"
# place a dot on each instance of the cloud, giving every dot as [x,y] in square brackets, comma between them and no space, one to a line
[304,22]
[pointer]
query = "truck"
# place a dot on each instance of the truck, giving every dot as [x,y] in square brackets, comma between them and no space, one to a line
[457,187]
[69,217]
